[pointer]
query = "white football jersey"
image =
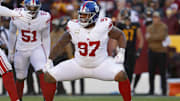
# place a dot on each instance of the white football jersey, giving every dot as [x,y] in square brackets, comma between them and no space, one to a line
[30,34]
[90,44]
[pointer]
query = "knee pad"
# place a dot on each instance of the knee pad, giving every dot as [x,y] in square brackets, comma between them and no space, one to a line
[21,75]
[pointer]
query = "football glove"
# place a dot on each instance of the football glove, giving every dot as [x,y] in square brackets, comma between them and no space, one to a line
[49,64]
[11,57]
[138,52]
[119,58]
[24,16]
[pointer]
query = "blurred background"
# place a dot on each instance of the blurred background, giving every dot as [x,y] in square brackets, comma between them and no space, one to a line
[141,12]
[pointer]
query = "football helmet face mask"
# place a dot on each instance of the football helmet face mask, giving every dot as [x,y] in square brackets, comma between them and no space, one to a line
[88,13]
[32,6]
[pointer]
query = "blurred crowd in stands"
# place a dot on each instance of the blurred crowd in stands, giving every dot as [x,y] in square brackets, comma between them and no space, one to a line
[141,12]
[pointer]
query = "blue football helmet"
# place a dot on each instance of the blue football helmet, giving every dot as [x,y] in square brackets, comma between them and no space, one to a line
[32,6]
[91,10]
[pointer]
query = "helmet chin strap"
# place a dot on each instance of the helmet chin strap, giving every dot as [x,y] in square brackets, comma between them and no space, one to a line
[34,14]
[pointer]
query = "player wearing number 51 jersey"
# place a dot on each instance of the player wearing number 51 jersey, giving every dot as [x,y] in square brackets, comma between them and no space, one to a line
[5,66]
[90,35]
[31,34]
[31,45]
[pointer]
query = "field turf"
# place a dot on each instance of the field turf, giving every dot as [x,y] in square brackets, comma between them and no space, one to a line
[95,98]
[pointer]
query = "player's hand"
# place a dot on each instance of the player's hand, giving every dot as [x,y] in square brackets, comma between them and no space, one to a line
[11,57]
[119,58]
[49,64]
[138,53]
[25,16]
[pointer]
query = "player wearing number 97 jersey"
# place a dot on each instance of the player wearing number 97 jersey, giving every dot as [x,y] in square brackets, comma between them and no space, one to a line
[32,45]
[90,35]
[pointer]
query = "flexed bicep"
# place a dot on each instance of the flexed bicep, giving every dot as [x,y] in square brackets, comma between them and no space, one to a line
[60,45]
[118,35]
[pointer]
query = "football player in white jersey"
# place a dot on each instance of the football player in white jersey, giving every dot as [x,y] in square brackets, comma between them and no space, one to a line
[31,45]
[5,66]
[90,36]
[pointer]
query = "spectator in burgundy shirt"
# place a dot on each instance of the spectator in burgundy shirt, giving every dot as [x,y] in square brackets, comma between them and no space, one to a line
[171,21]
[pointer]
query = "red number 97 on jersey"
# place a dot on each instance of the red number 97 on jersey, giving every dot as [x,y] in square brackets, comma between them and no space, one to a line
[83,46]
[28,36]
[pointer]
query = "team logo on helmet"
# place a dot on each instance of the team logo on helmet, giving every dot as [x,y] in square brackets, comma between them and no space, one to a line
[91,10]
[33,6]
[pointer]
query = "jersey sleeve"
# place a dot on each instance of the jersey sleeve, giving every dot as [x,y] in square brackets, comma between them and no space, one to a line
[46,23]
[46,40]
[7,12]
[12,37]
[69,27]
[46,19]
[107,23]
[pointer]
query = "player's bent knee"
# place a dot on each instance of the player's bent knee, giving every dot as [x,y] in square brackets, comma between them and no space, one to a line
[121,76]
[48,78]
[21,76]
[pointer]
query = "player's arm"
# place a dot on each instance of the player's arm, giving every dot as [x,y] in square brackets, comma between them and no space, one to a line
[157,37]
[22,15]
[46,41]
[4,38]
[12,40]
[4,11]
[60,45]
[118,35]
[141,42]
[57,50]
[69,50]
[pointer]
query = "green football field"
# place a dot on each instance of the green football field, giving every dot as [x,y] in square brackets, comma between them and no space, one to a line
[96,98]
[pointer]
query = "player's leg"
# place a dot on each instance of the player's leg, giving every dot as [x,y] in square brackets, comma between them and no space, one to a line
[64,71]
[38,60]
[21,64]
[129,65]
[8,78]
[109,70]
[124,85]
[136,80]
